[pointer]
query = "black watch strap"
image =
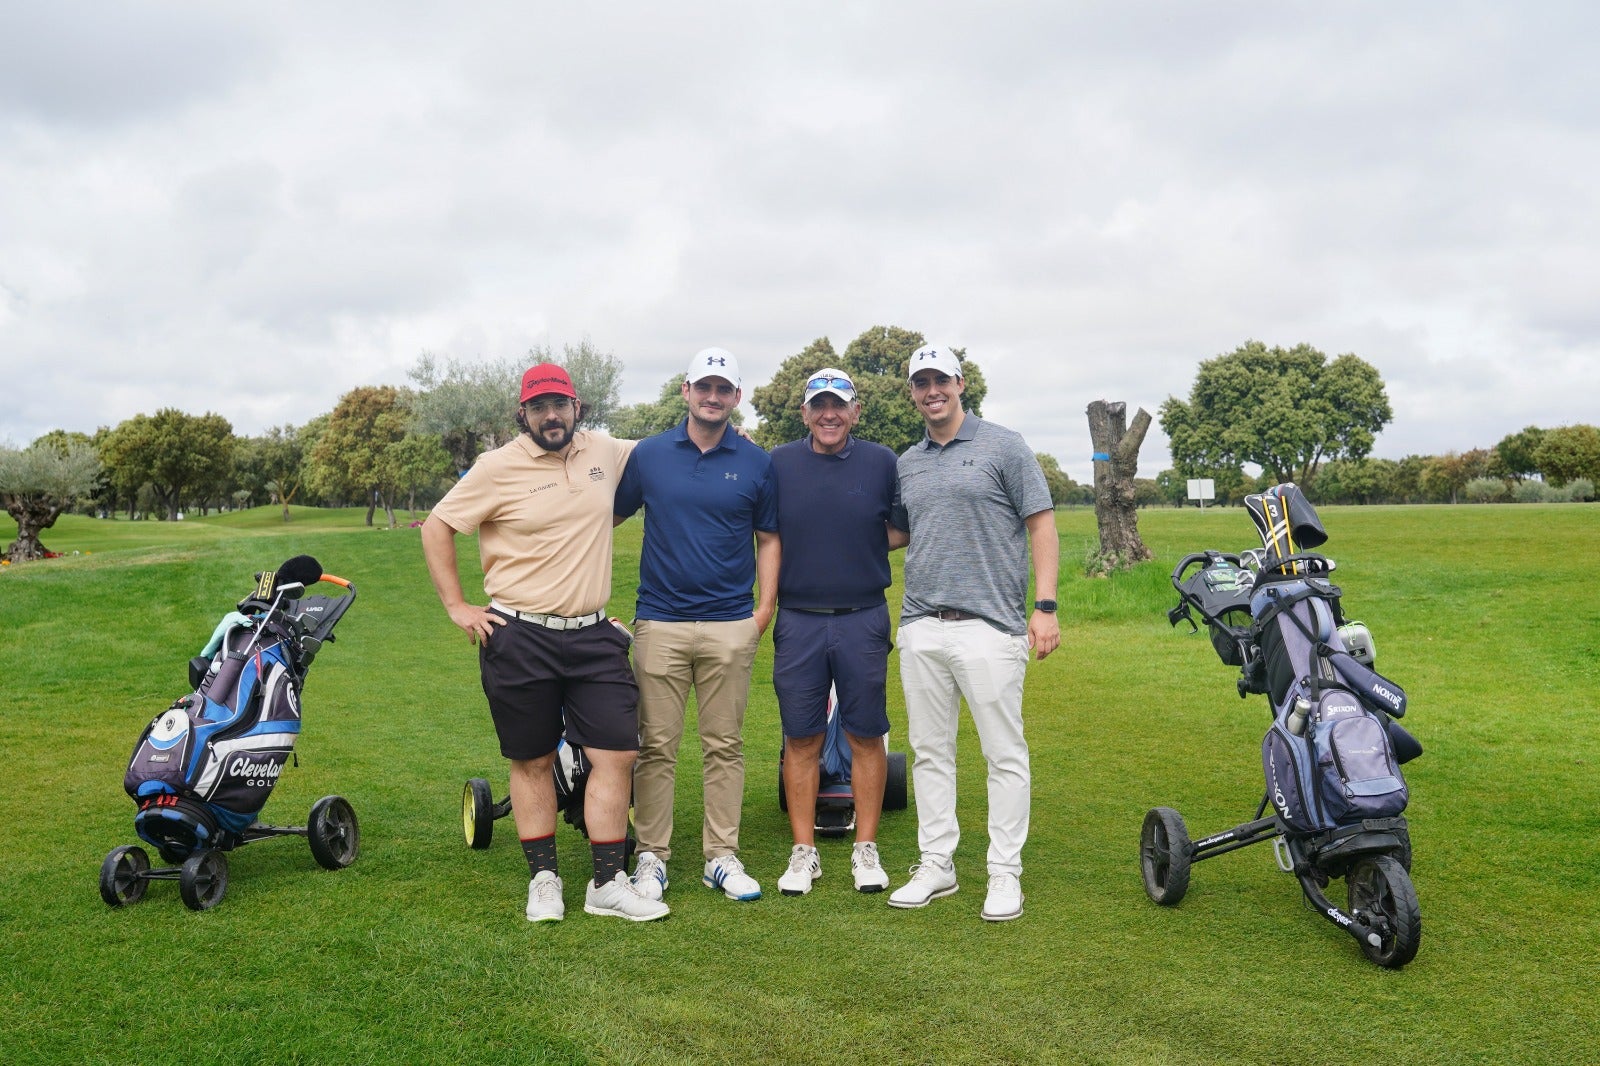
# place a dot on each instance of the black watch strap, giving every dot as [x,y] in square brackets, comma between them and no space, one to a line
[1047,606]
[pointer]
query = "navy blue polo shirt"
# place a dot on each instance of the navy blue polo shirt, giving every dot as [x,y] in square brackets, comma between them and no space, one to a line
[832,511]
[702,511]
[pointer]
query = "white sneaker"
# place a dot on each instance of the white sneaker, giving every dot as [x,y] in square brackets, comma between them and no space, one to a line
[544,898]
[620,898]
[804,868]
[650,875]
[1004,901]
[727,873]
[868,871]
[933,877]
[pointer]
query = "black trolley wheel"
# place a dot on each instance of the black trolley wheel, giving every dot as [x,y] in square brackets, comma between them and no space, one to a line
[1164,856]
[203,879]
[894,782]
[1381,895]
[477,813]
[333,833]
[122,876]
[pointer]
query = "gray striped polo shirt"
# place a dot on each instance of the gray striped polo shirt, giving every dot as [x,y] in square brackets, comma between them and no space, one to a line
[965,505]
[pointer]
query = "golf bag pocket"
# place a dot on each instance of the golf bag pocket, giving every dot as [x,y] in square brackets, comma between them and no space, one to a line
[161,757]
[1358,773]
[1288,763]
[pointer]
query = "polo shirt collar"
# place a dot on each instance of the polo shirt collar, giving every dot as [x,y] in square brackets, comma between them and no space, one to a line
[681,435]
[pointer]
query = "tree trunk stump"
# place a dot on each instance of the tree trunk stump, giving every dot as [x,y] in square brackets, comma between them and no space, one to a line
[1116,462]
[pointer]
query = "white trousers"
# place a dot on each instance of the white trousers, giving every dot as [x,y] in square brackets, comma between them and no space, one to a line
[940,663]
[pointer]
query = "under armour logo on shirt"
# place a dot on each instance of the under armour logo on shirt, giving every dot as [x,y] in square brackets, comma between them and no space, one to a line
[730,476]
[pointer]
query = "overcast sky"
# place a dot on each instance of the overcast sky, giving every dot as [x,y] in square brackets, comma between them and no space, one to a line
[252,208]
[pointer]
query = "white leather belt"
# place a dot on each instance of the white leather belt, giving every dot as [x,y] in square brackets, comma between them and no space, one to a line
[551,621]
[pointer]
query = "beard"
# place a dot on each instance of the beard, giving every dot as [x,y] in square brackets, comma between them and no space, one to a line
[548,445]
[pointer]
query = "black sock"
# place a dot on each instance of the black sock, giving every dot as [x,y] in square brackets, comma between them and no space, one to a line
[610,859]
[541,853]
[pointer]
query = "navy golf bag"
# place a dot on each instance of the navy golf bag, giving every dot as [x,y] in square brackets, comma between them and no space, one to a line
[1332,753]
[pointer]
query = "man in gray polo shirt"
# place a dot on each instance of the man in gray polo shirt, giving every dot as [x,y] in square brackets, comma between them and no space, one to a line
[975,502]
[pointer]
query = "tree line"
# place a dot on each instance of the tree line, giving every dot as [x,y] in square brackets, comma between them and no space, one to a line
[1291,413]
[1297,416]
[386,446]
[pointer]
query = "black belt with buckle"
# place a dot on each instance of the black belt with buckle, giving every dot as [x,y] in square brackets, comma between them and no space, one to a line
[946,614]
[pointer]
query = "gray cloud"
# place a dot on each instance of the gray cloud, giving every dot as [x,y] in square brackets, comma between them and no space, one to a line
[252,212]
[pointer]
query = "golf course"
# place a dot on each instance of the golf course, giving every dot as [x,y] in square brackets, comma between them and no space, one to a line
[418,952]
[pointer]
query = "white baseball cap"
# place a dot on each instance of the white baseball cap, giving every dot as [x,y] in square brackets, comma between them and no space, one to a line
[713,363]
[828,379]
[934,357]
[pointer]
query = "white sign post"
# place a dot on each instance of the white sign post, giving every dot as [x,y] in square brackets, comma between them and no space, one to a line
[1202,489]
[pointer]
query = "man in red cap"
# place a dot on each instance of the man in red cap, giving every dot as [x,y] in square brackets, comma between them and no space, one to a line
[542,508]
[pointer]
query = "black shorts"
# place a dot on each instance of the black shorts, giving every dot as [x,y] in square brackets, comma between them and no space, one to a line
[542,681]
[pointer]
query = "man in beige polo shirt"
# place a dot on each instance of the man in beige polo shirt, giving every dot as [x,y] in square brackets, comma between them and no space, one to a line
[550,661]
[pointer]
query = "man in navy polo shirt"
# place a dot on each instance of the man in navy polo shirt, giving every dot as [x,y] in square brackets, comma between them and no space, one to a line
[835,495]
[706,492]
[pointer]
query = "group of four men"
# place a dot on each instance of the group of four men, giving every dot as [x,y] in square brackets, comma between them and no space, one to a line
[968,502]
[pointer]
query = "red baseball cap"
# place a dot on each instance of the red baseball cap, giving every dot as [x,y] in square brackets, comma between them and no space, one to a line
[546,379]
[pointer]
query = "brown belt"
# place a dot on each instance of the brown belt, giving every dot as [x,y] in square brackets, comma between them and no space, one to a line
[948,615]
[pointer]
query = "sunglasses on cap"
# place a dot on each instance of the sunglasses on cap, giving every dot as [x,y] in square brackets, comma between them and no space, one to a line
[830,383]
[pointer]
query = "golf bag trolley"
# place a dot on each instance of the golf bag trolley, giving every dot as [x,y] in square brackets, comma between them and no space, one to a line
[1331,757]
[204,768]
[836,804]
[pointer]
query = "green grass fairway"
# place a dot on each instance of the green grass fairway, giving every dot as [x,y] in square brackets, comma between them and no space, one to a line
[418,953]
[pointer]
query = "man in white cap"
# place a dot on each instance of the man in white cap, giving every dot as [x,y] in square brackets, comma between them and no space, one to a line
[835,495]
[706,491]
[976,505]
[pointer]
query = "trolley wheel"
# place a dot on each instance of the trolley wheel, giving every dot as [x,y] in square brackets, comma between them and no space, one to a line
[1381,894]
[122,879]
[477,813]
[333,833]
[1164,856]
[203,879]
[894,783]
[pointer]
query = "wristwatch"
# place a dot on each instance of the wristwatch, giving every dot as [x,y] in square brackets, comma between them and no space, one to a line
[1047,606]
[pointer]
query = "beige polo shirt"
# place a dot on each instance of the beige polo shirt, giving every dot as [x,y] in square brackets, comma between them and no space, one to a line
[543,521]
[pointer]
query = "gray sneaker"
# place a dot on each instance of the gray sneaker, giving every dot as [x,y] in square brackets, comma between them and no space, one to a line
[650,875]
[866,867]
[544,898]
[932,878]
[621,898]
[804,868]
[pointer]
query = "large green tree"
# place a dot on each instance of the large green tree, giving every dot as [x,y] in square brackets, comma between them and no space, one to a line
[471,406]
[1285,410]
[1516,456]
[1568,453]
[876,361]
[347,461]
[1445,476]
[180,456]
[39,483]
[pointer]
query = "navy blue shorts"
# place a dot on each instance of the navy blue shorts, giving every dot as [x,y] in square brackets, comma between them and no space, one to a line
[540,681]
[849,651]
